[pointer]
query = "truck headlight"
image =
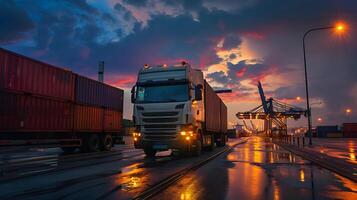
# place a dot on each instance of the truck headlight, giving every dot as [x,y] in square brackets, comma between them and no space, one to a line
[136,134]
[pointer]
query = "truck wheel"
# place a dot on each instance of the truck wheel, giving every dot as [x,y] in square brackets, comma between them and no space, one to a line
[149,152]
[106,142]
[90,143]
[68,150]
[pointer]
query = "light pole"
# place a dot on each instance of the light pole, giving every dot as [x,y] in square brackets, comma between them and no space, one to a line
[339,28]
[348,112]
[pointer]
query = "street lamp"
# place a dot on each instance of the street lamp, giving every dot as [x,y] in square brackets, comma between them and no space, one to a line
[339,28]
[348,112]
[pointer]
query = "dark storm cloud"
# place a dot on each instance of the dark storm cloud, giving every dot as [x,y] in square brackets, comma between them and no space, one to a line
[14,22]
[79,33]
[232,41]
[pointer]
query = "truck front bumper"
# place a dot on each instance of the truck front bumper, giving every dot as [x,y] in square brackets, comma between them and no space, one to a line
[162,145]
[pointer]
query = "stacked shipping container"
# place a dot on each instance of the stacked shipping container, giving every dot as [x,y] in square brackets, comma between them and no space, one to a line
[38,97]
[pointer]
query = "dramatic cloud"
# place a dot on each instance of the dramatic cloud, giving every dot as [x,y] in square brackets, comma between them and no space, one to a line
[235,43]
[14,22]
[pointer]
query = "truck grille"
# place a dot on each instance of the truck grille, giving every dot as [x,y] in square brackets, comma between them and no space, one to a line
[160,125]
[160,120]
[156,114]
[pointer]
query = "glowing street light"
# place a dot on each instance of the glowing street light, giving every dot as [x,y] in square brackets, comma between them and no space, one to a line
[298,98]
[348,111]
[319,119]
[339,28]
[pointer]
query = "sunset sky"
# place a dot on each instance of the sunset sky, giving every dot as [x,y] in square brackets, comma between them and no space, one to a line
[236,43]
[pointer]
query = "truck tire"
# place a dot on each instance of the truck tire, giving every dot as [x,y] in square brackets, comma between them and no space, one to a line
[90,143]
[149,152]
[106,142]
[68,150]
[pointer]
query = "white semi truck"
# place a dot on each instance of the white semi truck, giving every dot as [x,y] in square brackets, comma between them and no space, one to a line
[175,108]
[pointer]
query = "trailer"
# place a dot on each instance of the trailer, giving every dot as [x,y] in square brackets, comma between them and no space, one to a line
[41,104]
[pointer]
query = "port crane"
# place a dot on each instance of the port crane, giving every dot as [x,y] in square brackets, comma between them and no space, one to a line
[274,113]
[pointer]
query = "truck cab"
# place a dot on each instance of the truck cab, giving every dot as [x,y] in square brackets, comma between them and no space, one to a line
[169,109]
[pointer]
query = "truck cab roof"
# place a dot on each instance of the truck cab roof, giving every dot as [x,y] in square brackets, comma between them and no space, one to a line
[166,73]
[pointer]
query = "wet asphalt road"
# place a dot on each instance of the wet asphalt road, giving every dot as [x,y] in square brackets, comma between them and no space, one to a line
[342,148]
[253,170]
[261,170]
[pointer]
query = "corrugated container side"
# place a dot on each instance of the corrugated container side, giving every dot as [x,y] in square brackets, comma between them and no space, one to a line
[223,114]
[23,74]
[112,120]
[26,113]
[91,92]
[349,129]
[212,106]
[10,111]
[88,119]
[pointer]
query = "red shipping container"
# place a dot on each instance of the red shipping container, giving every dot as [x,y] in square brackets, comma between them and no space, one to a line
[88,118]
[25,113]
[212,109]
[23,74]
[112,120]
[349,129]
[223,115]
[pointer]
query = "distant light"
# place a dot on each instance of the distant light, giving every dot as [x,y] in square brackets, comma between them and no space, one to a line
[348,110]
[298,98]
[187,138]
[340,27]
[164,65]
[319,119]
[183,132]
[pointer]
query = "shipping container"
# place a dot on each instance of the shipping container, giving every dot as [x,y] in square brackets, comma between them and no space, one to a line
[25,75]
[323,131]
[88,118]
[215,111]
[349,129]
[223,116]
[94,93]
[212,109]
[38,100]
[112,119]
[26,113]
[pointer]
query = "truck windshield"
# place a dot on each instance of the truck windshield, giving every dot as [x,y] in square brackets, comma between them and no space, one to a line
[162,93]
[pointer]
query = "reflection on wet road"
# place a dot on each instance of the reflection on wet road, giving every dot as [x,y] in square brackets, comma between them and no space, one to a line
[252,170]
[342,148]
[261,170]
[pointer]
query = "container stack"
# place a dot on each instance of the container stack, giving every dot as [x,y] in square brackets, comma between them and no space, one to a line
[38,97]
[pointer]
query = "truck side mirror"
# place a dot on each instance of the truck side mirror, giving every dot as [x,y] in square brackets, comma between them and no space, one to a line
[133,94]
[198,92]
